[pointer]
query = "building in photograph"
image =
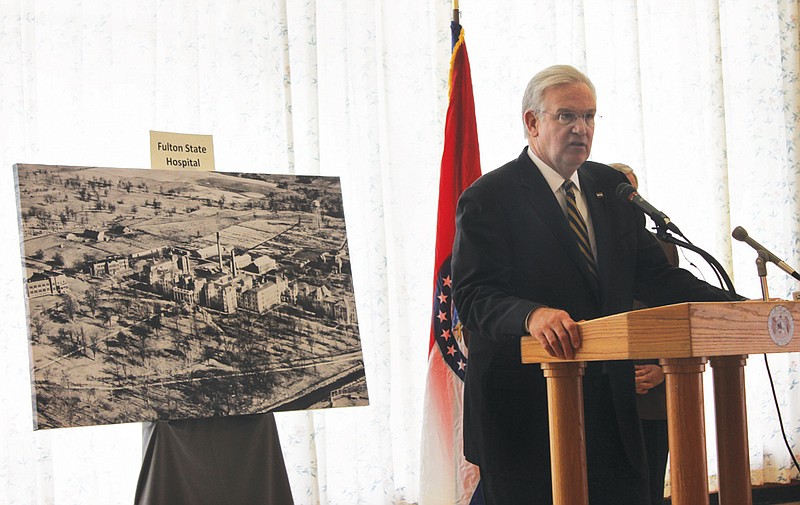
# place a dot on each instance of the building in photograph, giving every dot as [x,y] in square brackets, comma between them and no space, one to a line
[96,235]
[261,298]
[113,265]
[340,310]
[185,288]
[46,283]
[262,265]
[336,261]
[221,291]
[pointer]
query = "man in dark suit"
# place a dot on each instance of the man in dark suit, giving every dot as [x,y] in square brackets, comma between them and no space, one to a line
[519,269]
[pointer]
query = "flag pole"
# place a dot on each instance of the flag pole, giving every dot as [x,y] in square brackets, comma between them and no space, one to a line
[445,474]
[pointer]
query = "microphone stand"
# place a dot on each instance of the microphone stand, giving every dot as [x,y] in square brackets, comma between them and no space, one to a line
[663,234]
[761,267]
[761,264]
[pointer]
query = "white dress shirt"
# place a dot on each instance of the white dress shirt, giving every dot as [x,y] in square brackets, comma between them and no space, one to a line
[556,181]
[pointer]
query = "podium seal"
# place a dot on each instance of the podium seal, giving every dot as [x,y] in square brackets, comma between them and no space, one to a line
[781,325]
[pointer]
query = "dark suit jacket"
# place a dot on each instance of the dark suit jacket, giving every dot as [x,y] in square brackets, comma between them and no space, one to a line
[514,252]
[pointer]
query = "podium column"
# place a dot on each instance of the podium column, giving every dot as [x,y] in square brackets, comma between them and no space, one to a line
[732,445]
[567,436]
[686,425]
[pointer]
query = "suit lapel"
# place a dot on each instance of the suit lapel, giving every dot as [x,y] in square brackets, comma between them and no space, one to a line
[543,201]
[595,202]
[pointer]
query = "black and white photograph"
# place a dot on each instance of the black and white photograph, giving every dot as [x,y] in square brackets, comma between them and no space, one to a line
[155,294]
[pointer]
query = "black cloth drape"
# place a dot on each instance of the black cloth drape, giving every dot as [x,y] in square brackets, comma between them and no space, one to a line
[229,460]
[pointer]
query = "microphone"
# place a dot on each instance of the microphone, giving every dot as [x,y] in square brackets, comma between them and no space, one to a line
[629,194]
[741,235]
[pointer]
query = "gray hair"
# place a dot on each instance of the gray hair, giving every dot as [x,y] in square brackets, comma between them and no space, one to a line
[555,75]
[625,169]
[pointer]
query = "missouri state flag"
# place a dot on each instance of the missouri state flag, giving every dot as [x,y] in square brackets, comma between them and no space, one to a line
[446,477]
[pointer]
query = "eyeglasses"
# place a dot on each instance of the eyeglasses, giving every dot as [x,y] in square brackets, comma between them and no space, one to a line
[569,118]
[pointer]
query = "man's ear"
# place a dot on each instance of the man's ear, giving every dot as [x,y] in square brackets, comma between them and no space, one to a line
[531,123]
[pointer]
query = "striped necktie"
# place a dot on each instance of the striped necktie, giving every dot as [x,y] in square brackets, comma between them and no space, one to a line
[578,226]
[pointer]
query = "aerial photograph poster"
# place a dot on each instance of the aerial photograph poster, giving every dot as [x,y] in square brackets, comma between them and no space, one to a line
[161,294]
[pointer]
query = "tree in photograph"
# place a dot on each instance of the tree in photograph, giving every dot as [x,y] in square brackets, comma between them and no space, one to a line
[69,306]
[144,311]
[106,317]
[245,352]
[94,340]
[143,344]
[123,304]
[175,310]
[65,380]
[37,329]
[92,401]
[81,342]
[136,348]
[194,330]
[122,372]
[183,345]
[91,298]
[62,340]
[226,344]
[208,353]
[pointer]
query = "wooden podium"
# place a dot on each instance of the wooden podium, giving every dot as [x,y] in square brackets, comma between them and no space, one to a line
[683,336]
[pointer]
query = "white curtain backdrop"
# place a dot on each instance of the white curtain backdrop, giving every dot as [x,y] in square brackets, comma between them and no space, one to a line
[701,97]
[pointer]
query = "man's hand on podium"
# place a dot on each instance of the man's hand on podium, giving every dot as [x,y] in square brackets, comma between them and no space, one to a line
[556,331]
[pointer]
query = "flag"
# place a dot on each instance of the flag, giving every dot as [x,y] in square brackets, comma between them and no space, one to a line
[446,477]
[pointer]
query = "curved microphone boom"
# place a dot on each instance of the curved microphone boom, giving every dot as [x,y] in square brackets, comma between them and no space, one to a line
[629,194]
[741,235]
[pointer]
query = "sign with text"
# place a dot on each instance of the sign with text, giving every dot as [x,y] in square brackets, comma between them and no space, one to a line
[181,150]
